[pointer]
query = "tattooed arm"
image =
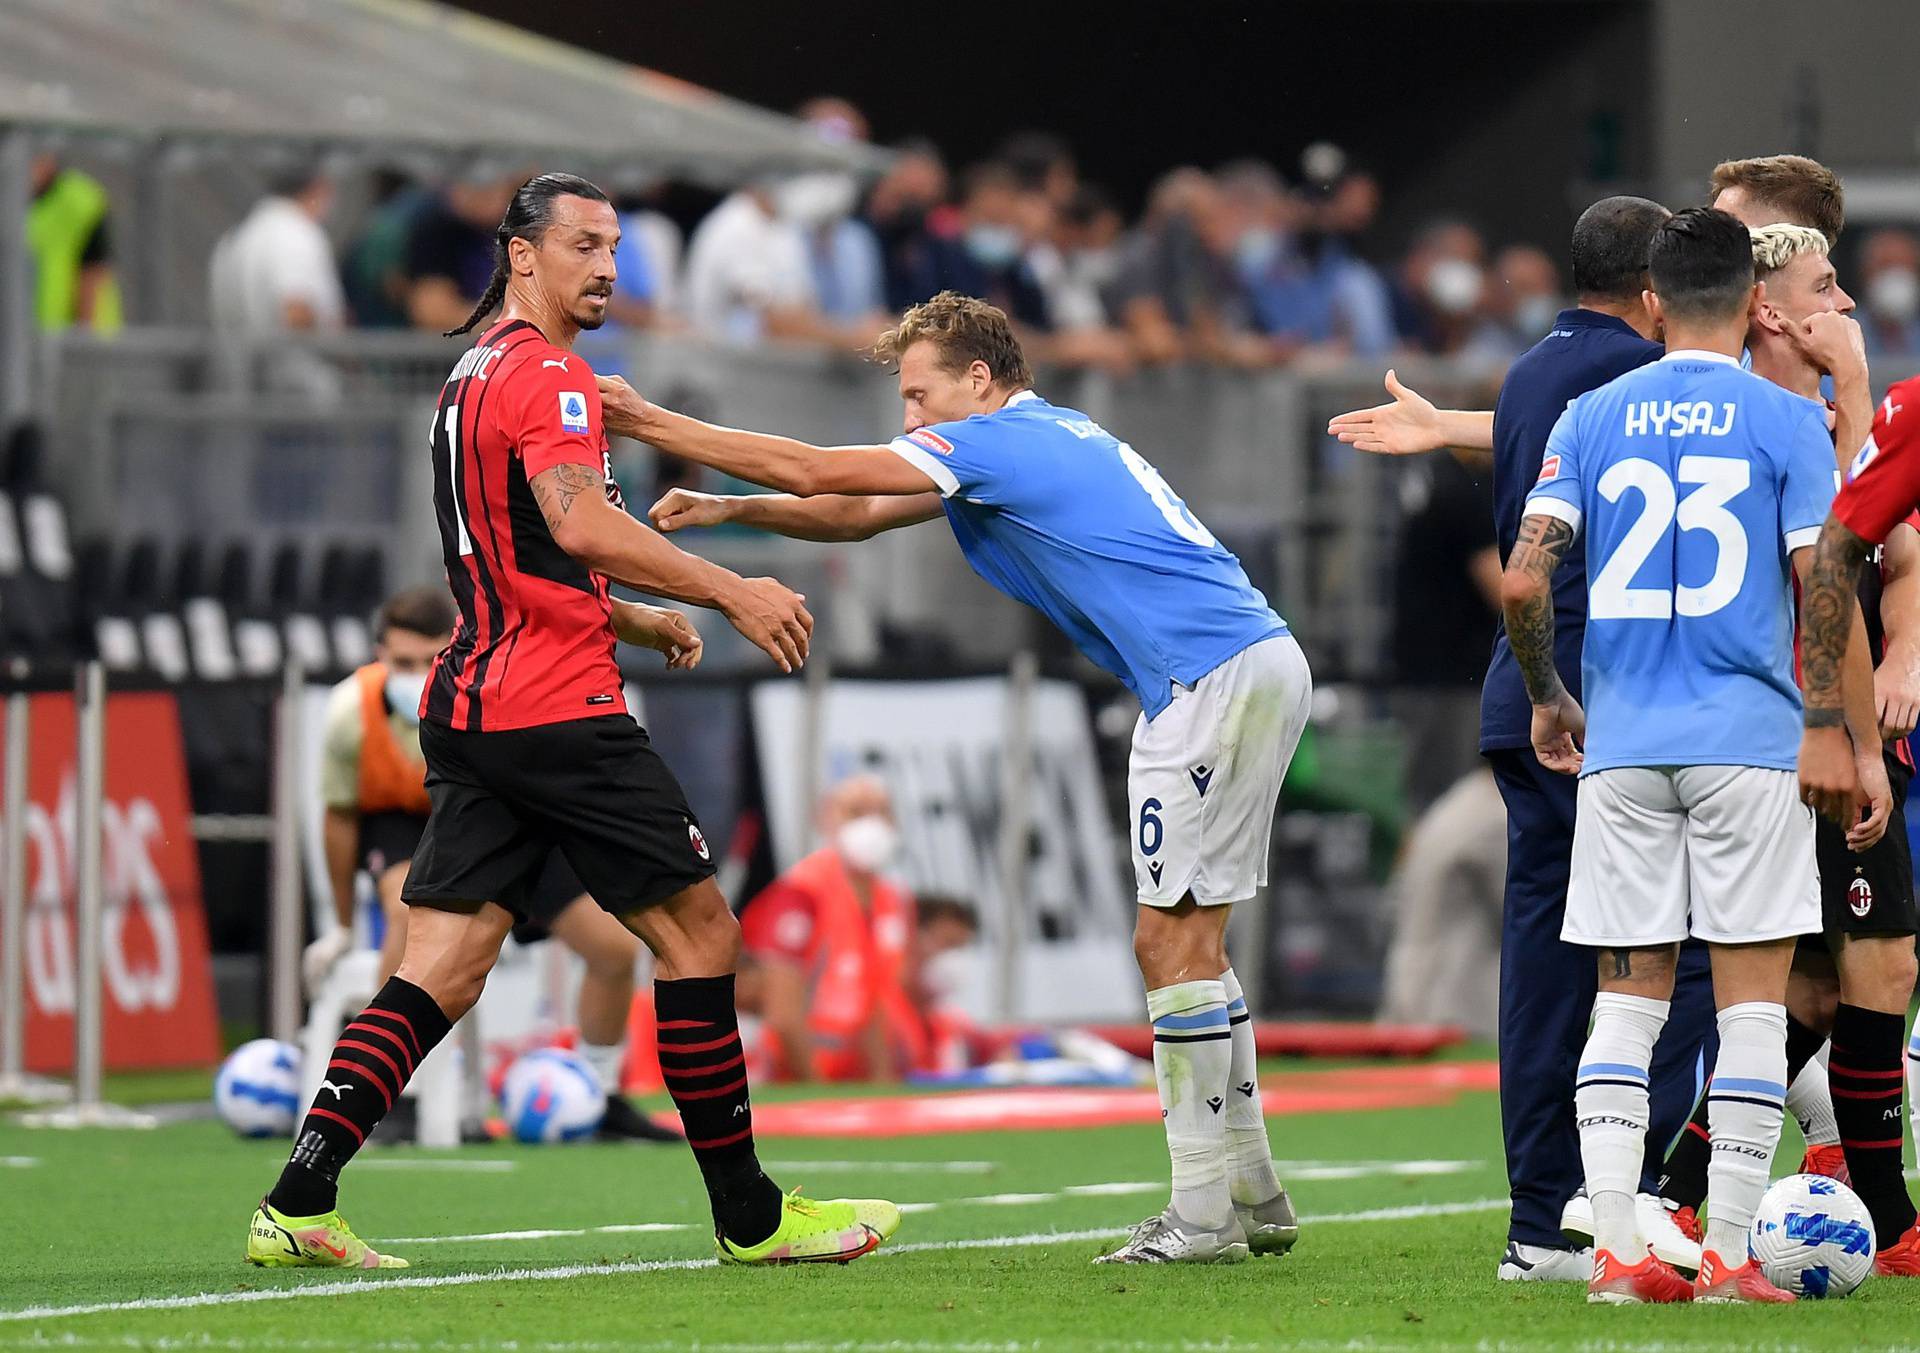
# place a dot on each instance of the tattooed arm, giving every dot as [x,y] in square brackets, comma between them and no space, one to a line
[1526,597]
[573,499]
[1829,778]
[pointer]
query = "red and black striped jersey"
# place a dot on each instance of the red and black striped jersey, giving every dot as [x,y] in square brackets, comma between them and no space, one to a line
[534,643]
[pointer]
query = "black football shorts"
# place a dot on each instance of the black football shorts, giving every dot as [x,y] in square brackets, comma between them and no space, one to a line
[591,791]
[1870,893]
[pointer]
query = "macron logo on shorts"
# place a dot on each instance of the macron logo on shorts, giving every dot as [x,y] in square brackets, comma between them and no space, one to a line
[573,411]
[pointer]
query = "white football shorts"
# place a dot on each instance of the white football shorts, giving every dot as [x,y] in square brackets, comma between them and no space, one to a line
[1204,777]
[1721,853]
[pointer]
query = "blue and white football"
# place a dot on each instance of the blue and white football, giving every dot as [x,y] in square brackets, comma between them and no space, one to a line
[1813,1236]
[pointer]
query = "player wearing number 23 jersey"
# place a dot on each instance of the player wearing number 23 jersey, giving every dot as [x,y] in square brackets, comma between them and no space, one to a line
[1693,481]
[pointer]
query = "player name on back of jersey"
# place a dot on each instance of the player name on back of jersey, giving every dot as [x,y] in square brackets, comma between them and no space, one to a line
[1679,418]
[476,362]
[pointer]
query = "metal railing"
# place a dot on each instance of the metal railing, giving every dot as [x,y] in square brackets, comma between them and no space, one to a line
[178,433]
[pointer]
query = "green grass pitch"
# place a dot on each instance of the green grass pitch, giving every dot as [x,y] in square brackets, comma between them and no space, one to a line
[1404,1220]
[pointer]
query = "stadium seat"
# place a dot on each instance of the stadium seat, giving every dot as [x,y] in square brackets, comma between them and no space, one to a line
[256,639]
[304,636]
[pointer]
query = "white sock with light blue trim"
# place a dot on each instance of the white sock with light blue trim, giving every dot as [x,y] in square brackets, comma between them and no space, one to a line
[1745,1102]
[1250,1176]
[1192,1057]
[1610,1106]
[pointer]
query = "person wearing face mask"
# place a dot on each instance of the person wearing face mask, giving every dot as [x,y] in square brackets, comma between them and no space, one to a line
[373,787]
[831,940]
[1523,299]
[1442,287]
[983,252]
[1890,265]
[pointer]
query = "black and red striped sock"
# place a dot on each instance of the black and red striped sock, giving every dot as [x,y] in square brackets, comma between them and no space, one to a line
[1868,1085]
[371,1064]
[705,1069]
[1683,1179]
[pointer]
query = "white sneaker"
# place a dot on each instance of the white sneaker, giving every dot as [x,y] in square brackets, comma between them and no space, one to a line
[1544,1264]
[1576,1220]
[1165,1238]
[1668,1242]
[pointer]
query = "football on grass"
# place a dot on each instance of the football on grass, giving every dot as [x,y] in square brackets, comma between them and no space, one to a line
[1813,1236]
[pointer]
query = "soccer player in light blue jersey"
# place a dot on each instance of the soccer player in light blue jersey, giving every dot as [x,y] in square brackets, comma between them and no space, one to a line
[1699,487]
[1055,511]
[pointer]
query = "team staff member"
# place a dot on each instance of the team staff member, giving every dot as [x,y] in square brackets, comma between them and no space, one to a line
[530,750]
[840,952]
[373,784]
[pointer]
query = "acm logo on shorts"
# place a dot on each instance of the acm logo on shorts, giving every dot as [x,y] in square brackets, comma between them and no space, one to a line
[1860,896]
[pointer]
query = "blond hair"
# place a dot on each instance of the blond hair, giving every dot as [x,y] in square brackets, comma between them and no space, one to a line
[1775,246]
[963,330]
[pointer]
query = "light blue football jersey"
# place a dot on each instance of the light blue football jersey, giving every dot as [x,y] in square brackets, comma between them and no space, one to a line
[1054,511]
[1694,481]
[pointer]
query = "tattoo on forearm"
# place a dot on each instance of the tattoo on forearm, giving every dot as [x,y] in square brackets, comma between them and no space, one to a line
[556,489]
[1826,620]
[1543,543]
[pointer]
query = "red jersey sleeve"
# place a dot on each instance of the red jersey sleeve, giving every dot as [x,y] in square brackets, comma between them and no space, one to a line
[1883,484]
[553,413]
[779,924]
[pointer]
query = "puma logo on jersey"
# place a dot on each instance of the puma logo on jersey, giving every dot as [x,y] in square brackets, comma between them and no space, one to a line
[560,362]
[338,1090]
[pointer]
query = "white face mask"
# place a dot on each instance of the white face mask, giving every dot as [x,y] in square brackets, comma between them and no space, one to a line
[1894,295]
[868,843]
[1453,285]
[813,200]
[404,690]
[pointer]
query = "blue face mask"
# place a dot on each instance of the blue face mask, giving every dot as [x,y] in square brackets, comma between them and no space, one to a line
[404,690]
[1254,251]
[993,246]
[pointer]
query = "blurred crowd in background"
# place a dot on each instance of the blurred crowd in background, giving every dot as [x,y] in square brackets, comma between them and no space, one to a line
[1243,265]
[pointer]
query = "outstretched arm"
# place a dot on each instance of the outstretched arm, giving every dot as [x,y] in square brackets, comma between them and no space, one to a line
[1526,598]
[573,499]
[1411,424]
[760,458]
[830,517]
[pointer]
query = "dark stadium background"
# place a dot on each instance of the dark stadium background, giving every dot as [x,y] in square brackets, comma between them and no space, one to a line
[1411,88]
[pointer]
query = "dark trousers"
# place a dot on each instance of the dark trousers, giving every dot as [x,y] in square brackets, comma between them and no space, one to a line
[1546,999]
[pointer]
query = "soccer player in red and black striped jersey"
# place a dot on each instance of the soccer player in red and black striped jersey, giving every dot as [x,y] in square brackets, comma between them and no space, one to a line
[530,749]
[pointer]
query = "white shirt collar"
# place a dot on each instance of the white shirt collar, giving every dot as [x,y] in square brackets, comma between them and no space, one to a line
[1700,355]
[1019,397]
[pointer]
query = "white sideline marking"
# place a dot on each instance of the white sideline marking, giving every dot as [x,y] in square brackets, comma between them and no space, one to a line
[1122,1187]
[353,1286]
[475,1166]
[1009,1199]
[885,1166]
[19,1162]
[630,1229]
[1366,1168]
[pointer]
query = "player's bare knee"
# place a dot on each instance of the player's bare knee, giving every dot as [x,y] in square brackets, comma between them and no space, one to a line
[1877,972]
